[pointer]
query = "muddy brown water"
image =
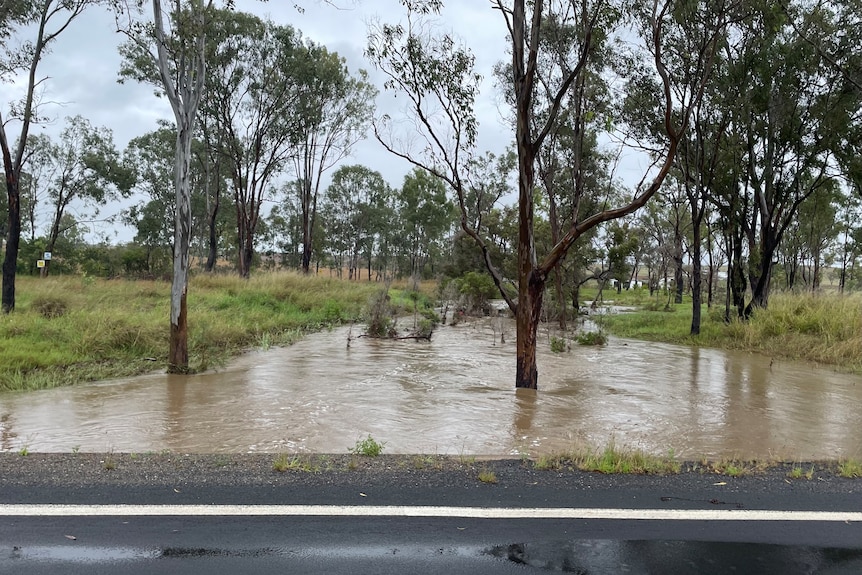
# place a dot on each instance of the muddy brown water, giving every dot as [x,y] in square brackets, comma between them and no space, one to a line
[455,395]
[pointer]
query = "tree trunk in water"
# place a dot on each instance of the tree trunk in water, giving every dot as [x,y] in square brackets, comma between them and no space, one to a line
[178,357]
[178,360]
[561,298]
[696,297]
[527,324]
[677,272]
[13,241]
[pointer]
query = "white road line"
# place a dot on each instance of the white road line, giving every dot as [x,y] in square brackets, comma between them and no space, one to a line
[422,511]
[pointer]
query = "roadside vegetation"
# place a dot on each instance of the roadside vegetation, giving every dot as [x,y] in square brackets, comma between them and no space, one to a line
[821,328]
[614,460]
[70,329]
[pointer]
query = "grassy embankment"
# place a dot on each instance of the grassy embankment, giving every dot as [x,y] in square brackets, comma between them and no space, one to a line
[66,330]
[820,328]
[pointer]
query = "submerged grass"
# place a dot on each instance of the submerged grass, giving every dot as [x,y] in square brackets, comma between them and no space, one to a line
[66,330]
[822,328]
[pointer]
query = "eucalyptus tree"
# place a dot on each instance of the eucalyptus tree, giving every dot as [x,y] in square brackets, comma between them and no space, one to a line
[571,166]
[806,248]
[424,216]
[252,90]
[28,28]
[87,170]
[332,112]
[170,52]
[353,215]
[436,75]
[40,169]
[787,105]
[847,216]
[153,157]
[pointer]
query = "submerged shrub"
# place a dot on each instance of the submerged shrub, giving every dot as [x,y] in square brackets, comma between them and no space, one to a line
[558,344]
[592,338]
[380,320]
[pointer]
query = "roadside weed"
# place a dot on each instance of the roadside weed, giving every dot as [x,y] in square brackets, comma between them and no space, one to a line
[487,476]
[850,468]
[797,472]
[368,447]
[284,463]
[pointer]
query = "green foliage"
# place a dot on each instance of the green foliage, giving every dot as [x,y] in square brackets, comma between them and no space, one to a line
[558,344]
[797,472]
[592,338]
[477,289]
[850,468]
[548,463]
[380,315]
[425,328]
[368,447]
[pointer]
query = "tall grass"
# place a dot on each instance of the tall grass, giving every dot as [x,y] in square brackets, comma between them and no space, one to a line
[66,330]
[823,328]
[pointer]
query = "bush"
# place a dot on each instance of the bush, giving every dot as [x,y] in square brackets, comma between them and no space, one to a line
[592,338]
[49,306]
[367,447]
[380,321]
[425,328]
[558,344]
[477,289]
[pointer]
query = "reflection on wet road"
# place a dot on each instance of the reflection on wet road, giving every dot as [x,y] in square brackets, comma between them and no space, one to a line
[455,395]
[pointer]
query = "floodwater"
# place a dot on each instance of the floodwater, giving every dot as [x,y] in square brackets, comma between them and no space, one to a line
[455,395]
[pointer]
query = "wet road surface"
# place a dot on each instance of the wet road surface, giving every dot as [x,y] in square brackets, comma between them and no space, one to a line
[385,518]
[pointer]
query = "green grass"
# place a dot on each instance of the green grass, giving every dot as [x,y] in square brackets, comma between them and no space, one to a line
[798,472]
[821,328]
[368,447]
[284,463]
[68,329]
[850,468]
[611,459]
[487,476]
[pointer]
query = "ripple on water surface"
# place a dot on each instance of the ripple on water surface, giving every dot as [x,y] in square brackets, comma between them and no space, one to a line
[455,395]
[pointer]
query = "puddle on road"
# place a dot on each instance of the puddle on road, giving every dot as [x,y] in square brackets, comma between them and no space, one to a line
[455,395]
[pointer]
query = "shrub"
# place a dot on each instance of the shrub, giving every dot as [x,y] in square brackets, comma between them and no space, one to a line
[477,289]
[425,328]
[592,338]
[368,447]
[379,316]
[558,344]
[49,306]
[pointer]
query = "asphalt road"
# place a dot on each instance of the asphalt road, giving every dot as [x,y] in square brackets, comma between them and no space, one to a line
[171,514]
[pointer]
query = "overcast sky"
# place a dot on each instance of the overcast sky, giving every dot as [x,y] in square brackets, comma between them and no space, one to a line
[82,66]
